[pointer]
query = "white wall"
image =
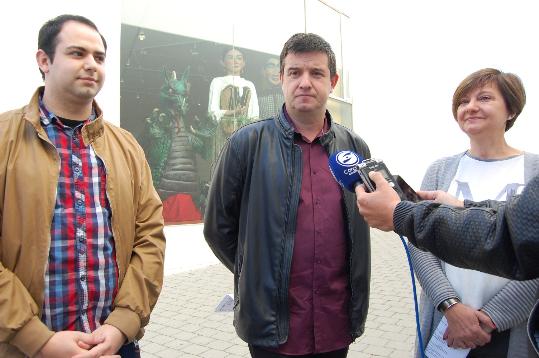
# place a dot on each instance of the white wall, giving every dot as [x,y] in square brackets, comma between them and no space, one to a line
[20,22]
[411,55]
[257,25]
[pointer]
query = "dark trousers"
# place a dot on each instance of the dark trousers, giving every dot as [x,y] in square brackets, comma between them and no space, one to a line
[262,353]
[496,348]
[130,350]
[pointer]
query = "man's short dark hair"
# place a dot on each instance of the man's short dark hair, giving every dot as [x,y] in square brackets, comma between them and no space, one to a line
[302,42]
[48,34]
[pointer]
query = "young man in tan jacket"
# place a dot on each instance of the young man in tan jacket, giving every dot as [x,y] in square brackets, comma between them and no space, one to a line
[81,229]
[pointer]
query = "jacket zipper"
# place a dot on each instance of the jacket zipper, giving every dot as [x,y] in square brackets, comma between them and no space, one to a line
[57,159]
[351,250]
[118,266]
[351,255]
[288,251]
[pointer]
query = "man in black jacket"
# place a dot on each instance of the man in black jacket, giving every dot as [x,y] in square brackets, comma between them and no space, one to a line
[498,238]
[298,248]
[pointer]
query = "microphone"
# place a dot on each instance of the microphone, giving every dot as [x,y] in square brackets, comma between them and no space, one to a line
[344,167]
[350,170]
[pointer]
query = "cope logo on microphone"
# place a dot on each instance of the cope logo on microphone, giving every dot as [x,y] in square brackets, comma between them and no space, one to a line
[347,158]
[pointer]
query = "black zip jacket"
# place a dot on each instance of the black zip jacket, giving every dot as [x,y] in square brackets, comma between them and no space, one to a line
[250,224]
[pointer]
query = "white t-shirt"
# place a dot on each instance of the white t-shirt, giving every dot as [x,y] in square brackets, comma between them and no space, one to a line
[479,180]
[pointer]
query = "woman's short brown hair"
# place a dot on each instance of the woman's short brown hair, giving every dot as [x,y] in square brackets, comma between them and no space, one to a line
[509,85]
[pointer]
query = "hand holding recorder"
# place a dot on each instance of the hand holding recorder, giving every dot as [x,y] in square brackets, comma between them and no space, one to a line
[350,170]
[380,192]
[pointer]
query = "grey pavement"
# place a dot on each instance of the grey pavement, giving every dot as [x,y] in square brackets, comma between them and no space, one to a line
[184,322]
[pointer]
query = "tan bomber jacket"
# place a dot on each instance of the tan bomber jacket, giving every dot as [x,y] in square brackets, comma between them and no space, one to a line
[29,170]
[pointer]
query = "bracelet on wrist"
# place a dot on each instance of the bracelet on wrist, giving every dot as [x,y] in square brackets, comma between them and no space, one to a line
[445,305]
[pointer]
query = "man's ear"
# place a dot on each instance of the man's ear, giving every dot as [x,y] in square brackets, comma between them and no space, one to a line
[43,61]
[334,81]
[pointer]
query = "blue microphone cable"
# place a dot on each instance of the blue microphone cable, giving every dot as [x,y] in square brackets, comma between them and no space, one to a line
[419,336]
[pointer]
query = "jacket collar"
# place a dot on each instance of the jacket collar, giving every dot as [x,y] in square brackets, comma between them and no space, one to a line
[90,131]
[288,129]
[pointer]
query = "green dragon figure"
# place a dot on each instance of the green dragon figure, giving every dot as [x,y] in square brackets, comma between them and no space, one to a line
[174,136]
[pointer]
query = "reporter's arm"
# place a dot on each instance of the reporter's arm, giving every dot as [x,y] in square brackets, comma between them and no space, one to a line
[509,232]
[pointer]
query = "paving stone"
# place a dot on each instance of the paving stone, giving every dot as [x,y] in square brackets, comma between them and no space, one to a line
[201,340]
[352,354]
[151,347]
[239,350]
[177,344]
[213,353]
[378,351]
[169,353]
[161,339]
[194,349]
[219,344]
[390,328]
[147,355]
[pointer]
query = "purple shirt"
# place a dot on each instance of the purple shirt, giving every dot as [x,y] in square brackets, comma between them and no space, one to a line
[318,294]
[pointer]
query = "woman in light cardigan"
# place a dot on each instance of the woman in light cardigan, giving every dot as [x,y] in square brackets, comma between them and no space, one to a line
[485,313]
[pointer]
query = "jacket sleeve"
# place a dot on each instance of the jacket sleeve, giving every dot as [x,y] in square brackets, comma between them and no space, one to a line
[502,240]
[19,321]
[223,206]
[143,280]
[428,268]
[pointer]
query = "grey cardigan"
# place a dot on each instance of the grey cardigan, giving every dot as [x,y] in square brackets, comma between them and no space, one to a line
[508,309]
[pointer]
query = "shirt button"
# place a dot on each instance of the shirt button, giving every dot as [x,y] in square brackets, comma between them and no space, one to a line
[79,202]
[316,292]
[318,261]
[82,278]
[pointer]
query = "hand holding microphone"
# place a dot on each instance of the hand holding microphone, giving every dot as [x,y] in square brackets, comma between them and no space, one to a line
[377,207]
[380,192]
[344,167]
[350,170]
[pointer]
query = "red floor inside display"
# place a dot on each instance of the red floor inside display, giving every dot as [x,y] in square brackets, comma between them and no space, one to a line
[180,208]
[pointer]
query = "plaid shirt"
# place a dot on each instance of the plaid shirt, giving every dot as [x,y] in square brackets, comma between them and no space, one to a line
[81,278]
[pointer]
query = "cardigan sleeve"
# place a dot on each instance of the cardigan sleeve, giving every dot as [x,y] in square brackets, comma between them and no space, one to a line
[428,268]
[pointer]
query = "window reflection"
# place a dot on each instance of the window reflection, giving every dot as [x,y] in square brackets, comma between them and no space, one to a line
[182,96]
[232,99]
